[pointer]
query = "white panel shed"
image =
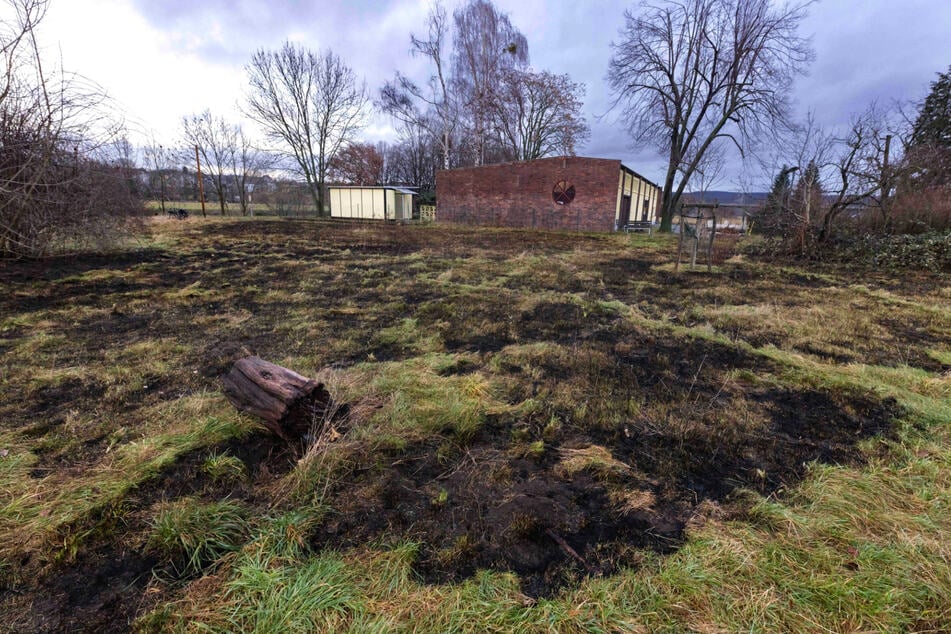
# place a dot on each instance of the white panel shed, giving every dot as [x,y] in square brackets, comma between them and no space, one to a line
[371,203]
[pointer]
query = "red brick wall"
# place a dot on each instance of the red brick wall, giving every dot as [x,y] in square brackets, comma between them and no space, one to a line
[520,194]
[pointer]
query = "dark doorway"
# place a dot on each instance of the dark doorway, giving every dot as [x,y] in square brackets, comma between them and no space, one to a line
[625,211]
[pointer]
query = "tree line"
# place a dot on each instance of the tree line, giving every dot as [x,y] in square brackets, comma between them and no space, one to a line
[66,181]
[888,171]
[483,104]
[690,78]
[696,78]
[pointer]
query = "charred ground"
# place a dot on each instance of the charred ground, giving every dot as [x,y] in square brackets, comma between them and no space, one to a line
[554,405]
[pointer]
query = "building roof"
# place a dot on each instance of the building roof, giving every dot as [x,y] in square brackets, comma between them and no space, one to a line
[640,176]
[400,190]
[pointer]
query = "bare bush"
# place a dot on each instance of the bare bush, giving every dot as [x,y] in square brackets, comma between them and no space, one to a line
[62,187]
[922,210]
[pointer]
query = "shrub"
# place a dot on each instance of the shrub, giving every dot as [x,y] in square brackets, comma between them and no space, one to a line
[61,186]
[927,251]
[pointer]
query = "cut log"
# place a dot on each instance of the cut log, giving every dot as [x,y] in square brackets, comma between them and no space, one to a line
[290,405]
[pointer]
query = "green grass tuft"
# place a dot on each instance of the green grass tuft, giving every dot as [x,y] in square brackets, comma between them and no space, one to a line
[190,534]
[223,467]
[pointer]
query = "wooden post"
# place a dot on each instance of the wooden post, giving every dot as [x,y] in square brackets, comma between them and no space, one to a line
[713,235]
[162,179]
[201,184]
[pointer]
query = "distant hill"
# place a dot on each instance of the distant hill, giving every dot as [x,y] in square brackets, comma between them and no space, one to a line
[728,198]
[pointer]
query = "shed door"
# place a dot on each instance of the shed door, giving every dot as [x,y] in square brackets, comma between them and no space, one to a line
[625,211]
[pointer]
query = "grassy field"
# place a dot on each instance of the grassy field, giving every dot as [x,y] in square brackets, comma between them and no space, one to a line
[190,206]
[538,432]
[212,208]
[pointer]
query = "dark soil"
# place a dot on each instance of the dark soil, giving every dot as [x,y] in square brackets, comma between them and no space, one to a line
[102,587]
[688,432]
[478,505]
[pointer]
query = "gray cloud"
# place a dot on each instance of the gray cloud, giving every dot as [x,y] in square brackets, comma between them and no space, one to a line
[874,50]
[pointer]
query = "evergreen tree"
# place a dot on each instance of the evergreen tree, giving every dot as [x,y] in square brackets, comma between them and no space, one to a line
[778,199]
[775,217]
[933,125]
[929,153]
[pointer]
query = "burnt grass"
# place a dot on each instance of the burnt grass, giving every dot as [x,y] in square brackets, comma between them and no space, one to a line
[101,586]
[471,503]
[691,422]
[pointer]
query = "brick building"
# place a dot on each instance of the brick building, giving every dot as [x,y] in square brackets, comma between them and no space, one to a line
[569,193]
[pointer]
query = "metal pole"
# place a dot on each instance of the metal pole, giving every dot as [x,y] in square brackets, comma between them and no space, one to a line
[201,184]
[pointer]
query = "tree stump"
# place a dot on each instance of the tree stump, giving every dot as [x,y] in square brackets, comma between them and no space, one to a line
[290,405]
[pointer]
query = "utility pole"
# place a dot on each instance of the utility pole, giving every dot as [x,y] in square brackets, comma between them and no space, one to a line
[885,181]
[160,162]
[201,184]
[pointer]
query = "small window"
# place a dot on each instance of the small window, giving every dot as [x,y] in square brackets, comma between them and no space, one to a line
[563,193]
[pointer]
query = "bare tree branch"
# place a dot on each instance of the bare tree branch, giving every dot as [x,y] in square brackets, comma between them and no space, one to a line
[690,72]
[311,104]
[434,109]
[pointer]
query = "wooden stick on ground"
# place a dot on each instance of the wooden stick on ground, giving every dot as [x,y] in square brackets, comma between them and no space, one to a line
[571,552]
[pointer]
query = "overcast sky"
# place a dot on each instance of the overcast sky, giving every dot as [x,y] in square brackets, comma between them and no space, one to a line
[163,59]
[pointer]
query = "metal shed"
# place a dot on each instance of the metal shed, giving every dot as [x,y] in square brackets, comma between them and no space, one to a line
[371,203]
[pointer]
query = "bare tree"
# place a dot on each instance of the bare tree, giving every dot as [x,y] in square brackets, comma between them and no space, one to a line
[310,103]
[60,183]
[248,164]
[385,151]
[123,153]
[414,159]
[433,109]
[159,161]
[814,148]
[217,141]
[840,173]
[805,150]
[487,45]
[486,106]
[864,169]
[690,72]
[538,114]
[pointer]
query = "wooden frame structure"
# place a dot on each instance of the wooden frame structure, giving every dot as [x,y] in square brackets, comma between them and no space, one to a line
[697,230]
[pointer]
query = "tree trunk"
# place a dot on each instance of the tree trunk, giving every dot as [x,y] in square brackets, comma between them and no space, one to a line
[290,405]
[667,196]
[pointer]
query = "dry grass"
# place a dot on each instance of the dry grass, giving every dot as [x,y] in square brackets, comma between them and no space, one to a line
[593,458]
[445,337]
